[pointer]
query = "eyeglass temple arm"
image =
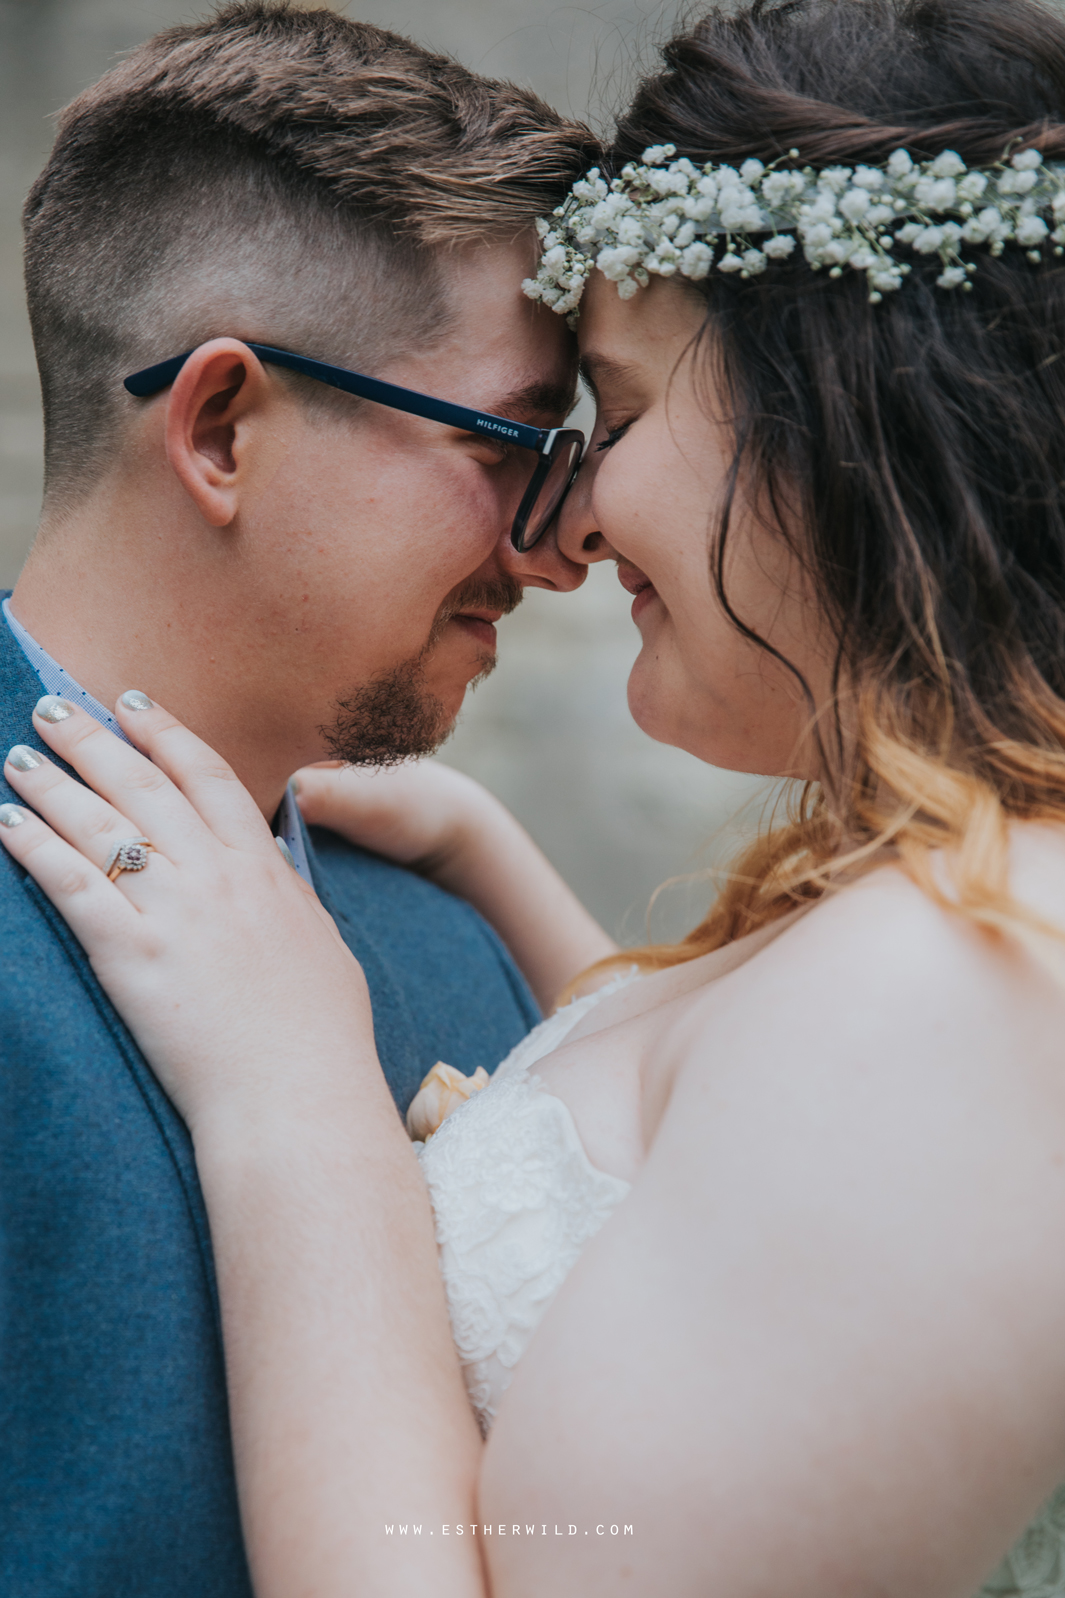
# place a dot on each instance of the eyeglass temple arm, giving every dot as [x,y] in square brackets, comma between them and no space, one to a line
[153,379]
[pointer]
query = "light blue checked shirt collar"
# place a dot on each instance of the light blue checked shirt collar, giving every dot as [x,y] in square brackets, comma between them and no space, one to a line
[56,680]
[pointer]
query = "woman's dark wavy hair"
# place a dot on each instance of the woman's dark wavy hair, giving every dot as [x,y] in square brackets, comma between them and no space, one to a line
[921,440]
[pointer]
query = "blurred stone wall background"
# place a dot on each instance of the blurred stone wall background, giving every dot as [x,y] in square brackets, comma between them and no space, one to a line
[550,731]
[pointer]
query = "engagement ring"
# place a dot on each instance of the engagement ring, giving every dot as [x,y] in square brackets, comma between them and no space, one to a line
[129,855]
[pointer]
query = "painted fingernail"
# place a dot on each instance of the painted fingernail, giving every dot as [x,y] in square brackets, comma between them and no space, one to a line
[286,852]
[12,816]
[133,699]
[23,758]
[50,708]
[294,785]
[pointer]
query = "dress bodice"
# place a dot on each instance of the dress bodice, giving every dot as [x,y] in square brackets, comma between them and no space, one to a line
[517,1199]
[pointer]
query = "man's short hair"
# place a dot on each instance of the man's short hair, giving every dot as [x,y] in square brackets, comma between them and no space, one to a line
[276,174]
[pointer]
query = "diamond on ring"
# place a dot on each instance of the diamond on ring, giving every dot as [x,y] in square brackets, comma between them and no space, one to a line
[129,855]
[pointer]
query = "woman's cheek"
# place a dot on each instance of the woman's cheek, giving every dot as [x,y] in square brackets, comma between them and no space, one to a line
[627,502]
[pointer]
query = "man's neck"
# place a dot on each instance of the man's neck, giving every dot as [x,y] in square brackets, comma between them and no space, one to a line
[114,626]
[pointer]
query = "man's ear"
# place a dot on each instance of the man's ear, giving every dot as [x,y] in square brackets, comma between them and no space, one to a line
[220,390]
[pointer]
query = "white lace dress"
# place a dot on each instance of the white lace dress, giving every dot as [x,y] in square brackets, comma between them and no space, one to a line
[516,1200]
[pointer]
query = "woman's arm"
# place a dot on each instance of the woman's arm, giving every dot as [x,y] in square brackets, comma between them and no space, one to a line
[347,1401]
[348,1407]
[450,829]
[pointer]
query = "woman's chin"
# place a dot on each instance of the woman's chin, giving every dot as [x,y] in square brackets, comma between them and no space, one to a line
[654,710]
[665,714]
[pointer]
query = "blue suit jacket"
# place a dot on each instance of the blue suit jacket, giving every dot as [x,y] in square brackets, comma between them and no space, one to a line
[116,1475]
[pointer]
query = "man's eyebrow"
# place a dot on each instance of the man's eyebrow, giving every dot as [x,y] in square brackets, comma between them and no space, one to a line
[539,398]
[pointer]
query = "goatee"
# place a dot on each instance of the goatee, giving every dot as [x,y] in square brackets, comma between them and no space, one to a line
[395,716]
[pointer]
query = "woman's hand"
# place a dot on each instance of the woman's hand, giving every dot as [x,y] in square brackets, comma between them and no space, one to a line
[218,956]
[421,814]
[451,830]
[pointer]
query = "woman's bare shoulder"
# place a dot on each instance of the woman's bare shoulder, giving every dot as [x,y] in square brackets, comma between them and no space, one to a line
[844,1246]
[880,967]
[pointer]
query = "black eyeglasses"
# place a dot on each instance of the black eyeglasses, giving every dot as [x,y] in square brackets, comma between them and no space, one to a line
[556,451]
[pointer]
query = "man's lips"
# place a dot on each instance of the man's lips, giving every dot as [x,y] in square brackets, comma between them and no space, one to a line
[641,587]
[480,624]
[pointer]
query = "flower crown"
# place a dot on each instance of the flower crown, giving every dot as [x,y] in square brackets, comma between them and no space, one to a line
[666,216]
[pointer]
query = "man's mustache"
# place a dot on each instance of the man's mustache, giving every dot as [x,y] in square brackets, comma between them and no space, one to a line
[502,593]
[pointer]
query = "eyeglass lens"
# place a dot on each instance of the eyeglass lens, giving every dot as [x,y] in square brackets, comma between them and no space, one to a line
[565,458]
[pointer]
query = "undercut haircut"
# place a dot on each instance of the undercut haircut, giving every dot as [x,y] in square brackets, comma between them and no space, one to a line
[277,175]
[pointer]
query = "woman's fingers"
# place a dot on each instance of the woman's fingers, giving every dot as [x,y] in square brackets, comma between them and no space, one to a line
[78,889]
[202,776]
[141,789]
[125,790]
[78,815]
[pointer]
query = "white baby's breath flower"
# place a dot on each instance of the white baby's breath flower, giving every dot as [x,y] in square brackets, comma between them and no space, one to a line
[630,231]
[664,215]
[972,185]
[818,236]
[854,204]
[776,187]
[948,165]
[975,231]
[1031,230]
[697,261]
[737,217]
[928,240]
[936,194]
[835,178]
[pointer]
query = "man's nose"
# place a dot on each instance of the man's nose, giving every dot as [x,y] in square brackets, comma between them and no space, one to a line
[545,565]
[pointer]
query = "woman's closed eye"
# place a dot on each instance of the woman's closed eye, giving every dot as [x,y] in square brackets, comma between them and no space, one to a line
[612,437]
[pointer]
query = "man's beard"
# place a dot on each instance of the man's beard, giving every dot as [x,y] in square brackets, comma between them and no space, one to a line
[395,717]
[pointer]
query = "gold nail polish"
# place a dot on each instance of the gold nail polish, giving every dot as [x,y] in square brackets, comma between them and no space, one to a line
[133,699]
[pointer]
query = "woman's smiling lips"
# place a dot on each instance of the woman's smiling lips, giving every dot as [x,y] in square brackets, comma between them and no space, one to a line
[632,579]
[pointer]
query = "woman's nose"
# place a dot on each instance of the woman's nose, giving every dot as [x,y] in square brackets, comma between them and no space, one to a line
[576,531]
